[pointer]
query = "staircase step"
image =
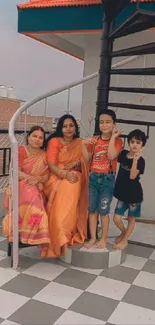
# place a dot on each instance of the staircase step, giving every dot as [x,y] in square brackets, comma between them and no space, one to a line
[134,71]
[135,122]
[148,48]
[138,21]
[94,258]
[116,5]
[133,106]
[133,90]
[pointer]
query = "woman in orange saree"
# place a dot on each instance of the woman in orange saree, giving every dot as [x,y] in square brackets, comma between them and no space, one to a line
[67,187]
[33,173]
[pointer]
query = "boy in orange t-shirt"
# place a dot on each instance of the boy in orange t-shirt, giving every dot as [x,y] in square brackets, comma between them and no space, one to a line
[102,176]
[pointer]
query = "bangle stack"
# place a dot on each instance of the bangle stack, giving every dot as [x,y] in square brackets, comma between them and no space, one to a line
[39,179]
[77,163]
[62,173]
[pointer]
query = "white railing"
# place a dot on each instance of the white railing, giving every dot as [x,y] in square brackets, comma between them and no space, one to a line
[14,143]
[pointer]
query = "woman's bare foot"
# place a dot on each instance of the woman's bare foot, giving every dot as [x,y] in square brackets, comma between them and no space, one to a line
[90,243]
[101,243]
[120,237]
[121,245]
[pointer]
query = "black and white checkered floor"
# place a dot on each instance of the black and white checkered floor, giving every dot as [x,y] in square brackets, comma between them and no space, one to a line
[50,292]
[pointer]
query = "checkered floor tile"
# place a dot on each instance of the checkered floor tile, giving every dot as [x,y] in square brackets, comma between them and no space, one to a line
[50,292]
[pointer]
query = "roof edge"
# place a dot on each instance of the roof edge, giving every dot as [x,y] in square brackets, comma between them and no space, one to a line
[65,3]
[58,4]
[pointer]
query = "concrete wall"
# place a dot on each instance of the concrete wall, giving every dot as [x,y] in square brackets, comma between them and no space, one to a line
[89,96]
[92,53]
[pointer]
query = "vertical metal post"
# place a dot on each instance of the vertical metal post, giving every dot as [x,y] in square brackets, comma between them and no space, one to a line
[9,158]
[4,161]
[104,71]
[68,101]
[148,129]
[15,205]
[45,111]
[25,121]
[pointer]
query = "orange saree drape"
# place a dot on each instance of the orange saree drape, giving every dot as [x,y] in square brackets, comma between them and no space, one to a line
[67,203]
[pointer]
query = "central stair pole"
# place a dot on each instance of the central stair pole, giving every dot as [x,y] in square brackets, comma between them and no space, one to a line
[104,72]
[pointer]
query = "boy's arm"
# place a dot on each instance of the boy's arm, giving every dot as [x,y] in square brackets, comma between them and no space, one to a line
[134,170]
[87,148]
[113,149]
[138,166]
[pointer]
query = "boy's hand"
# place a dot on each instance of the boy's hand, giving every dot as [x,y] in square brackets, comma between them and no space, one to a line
[117,133]
[89,141]
[137,155]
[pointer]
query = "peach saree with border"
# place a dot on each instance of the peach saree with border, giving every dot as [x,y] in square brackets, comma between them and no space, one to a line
[33,220]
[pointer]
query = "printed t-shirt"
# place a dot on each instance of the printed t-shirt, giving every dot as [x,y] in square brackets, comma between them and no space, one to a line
[100,161]
[128,190]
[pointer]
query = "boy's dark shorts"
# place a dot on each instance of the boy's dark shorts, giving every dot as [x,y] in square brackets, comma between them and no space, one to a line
[101,187]
[134,209]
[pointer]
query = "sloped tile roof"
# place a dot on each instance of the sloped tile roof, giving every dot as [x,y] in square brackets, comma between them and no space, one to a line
[63,3]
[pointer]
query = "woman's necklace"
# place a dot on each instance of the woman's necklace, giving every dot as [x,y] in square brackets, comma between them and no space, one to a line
[31,151]
[66,141]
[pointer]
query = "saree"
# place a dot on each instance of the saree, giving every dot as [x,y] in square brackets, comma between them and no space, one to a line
[33,220]
[67,202]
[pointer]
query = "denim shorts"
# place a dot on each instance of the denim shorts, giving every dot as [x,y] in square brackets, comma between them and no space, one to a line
[101,187]
[134,209]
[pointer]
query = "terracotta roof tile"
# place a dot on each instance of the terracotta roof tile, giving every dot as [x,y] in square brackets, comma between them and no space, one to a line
[57,3]
[63,3]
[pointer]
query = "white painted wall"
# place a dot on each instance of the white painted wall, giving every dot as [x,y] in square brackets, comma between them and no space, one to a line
[89,96]
[92,53]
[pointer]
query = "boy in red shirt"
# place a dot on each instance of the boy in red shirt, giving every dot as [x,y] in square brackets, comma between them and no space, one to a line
[102,176]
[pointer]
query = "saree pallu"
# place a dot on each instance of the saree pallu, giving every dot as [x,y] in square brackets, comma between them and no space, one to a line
[67,203]
[33,220]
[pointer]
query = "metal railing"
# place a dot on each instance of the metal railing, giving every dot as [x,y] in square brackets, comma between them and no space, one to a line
[14,146]
[5,157]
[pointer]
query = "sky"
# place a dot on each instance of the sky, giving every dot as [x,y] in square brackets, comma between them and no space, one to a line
[32,68]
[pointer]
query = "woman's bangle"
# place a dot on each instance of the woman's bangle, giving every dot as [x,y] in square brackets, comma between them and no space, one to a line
[39,179]
[62,173]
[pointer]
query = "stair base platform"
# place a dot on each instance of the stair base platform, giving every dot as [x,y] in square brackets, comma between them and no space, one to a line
[94,258]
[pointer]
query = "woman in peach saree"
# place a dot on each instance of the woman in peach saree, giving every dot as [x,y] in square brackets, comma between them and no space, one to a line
[33,173]
[67,187]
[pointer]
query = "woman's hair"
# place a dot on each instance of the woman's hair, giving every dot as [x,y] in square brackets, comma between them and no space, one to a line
[58,133]
[36,128]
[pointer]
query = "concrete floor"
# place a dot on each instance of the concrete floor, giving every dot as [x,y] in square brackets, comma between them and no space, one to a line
[51,292]
[143,233]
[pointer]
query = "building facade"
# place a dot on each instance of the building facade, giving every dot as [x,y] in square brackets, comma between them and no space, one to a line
[8,106]
[74,27]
